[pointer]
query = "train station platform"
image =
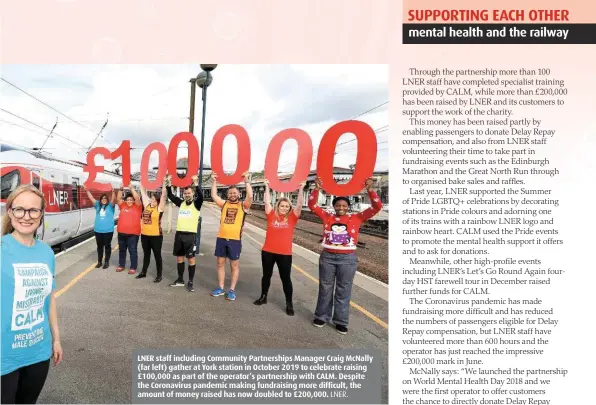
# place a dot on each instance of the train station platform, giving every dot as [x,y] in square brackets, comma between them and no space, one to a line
[104,315]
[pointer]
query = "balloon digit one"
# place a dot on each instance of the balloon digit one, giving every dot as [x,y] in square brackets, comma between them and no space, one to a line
[303,160]
[162,154]
[365,159]
[192,162]
[93,169]
[243,153]
[124,152]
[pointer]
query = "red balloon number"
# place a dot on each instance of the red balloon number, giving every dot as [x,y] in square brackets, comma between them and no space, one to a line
[243,153]
[124,152]
[303,161]
[192,162]
[93,169]
[162,154]
[366,157]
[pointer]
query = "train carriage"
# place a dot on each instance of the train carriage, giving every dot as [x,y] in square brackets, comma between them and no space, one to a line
[69,213]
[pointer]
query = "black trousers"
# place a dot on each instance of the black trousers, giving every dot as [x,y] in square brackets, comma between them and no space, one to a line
[284,264]
[24,385]
[152,243]
[104,243]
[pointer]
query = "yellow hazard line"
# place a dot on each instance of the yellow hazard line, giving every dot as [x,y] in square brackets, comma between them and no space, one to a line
[78,277]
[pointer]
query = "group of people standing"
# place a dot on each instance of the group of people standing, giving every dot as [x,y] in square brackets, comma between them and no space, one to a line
[30,333]
[337,261]
[140,217]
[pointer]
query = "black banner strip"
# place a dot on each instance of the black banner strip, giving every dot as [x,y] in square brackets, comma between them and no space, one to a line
[499,34]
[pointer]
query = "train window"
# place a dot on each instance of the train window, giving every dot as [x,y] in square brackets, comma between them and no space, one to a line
[36,182]
[75,196]
[10,181]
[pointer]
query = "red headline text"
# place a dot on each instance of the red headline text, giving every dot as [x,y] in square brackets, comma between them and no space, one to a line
[488,15]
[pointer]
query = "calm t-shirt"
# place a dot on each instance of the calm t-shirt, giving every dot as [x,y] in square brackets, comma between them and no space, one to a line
[280,233]
[27,282]
[104,218]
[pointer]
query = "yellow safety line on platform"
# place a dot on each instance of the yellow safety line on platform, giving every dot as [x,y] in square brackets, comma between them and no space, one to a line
[78,277]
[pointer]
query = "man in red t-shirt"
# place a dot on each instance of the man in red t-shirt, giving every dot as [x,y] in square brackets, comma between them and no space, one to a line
[129,227]
[277,248]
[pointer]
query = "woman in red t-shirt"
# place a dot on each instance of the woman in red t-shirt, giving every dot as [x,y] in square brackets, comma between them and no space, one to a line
[277,249]
[129,227]
[338,262]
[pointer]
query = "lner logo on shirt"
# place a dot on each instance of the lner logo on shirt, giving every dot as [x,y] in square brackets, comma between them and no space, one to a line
[184,213]
[32,285]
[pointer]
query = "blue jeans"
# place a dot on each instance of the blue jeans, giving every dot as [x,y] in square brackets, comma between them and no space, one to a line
[130,242]
[336,275]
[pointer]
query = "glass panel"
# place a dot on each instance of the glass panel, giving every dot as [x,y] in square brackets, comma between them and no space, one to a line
[10,182]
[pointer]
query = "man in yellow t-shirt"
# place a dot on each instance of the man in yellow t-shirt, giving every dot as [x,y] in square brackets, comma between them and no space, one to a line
[186,230]
[229,238]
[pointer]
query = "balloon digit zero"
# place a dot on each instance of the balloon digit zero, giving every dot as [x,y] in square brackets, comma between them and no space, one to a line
[162,154]
[303,161]
[365,159]
[92,169]
[217,153]
[192,160]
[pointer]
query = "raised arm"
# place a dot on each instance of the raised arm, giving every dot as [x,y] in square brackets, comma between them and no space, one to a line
[199,198]
[198,201]
[177,201]
[216,198]
[300,202]
[135,196]
[248,200]
[119,199]
[144,197]
[312,201]
[162,200]
[375,201]
[267,198]
[90,196]
[113,202]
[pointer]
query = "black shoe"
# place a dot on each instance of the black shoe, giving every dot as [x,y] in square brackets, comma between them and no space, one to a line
[289,309]
[105,265]
[141,275]
[98,265]
[177,283]
[157,279]
[262,300]
[341,329]
[190,287]
[318,323]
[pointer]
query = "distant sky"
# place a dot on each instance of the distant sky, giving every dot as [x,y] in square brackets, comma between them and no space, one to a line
[149,103]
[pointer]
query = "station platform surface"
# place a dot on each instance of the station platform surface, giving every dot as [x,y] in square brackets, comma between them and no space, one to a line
[104,315]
